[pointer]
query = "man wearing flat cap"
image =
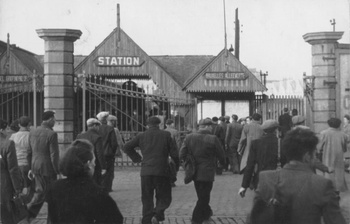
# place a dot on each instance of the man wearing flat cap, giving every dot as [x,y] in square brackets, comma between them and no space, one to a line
[206,149]
[109,145]
[94,137]
[43,156]
[264,153]
[156,146]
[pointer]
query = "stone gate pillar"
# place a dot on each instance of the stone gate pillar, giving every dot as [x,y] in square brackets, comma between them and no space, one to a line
[59,79]
[324,102]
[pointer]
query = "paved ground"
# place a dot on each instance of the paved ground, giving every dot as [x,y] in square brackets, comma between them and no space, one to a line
[227,205]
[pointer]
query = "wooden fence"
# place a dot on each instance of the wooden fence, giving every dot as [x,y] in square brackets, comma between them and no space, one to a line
[271,107]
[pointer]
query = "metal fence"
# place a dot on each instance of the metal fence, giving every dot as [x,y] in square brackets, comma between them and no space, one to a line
[21,96]
[132,104]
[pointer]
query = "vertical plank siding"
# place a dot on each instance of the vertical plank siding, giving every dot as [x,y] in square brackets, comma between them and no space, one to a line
[271,107]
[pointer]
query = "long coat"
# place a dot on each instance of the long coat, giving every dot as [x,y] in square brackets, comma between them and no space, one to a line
[250,132]
[93,136]
[206,149]
[264,153]
[10,177]
[43,153]
[311,196]
[333,144]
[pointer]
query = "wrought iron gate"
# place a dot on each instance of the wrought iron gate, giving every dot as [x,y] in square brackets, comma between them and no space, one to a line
[21,95]
[130,103]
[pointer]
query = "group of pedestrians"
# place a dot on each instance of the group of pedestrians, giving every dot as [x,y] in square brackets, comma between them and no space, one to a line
[278,160]
[31,168]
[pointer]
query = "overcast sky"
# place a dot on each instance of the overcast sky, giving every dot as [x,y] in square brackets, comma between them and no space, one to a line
[271,37]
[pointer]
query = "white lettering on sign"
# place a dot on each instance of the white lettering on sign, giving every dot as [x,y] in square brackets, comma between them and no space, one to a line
[118,61]
[226,75]
[13,78]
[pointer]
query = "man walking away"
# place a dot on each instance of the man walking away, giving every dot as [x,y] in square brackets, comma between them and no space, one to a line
[156,146]
[175,135]
[250,132]
[109,145]
[43,156]
[285,122]
[206,149]
[264,154]
[233,135]
[21,140]
[93,136]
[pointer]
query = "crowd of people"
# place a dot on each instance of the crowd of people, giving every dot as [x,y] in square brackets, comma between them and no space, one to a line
[291,169]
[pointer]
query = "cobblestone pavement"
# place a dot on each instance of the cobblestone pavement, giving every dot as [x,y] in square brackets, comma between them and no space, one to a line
[228,207]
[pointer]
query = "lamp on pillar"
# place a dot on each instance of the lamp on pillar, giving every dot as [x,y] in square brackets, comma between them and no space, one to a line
[231,49]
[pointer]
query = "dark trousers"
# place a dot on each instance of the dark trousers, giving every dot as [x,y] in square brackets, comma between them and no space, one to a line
[41,184]
[162,188]
[232,155]
[202,211]
[107,178]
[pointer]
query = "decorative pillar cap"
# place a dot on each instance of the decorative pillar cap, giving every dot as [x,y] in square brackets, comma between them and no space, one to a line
[322,37]
[59,34]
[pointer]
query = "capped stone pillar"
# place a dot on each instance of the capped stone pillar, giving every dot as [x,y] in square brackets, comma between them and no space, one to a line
[59,79]
[324,106]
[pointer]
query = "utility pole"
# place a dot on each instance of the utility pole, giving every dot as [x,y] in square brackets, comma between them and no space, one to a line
[237,33]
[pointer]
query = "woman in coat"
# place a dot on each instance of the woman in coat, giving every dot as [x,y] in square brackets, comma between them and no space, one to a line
[78,199]
[10,184]
[333,145]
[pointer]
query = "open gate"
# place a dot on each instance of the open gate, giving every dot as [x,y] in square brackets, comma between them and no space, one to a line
[131,103]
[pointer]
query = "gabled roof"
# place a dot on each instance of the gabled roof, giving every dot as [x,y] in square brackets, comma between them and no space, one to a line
[119,44]
[28,60]
[224,62]
[182,67]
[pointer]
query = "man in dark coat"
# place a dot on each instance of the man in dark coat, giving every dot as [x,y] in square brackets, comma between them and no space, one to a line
[43,156]
[10,175]
[285,122]
[233,135]
[110,145]
[219,131]
[206,149]
[156,146]
[93,136]
[263,153]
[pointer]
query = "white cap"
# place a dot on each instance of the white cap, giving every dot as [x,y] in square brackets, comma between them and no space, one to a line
[92,121]
[102,115]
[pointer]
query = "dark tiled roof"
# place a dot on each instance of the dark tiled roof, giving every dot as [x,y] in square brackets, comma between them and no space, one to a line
[28,59]
[181,68]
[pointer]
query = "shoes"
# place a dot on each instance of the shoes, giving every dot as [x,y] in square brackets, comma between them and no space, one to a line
[154,220]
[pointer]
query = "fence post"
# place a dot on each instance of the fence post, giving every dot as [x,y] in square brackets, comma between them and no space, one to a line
[84,101]
[34,99]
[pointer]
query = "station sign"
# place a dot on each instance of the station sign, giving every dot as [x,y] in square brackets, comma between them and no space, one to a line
[226,75]
[118,61]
